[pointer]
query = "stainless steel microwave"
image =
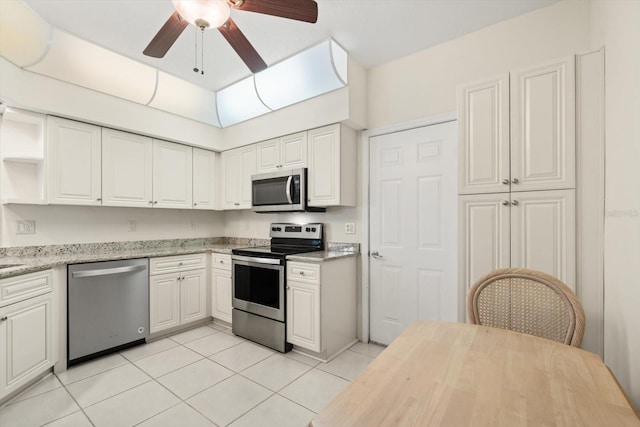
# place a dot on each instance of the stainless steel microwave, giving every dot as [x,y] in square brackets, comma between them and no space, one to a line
[280,191]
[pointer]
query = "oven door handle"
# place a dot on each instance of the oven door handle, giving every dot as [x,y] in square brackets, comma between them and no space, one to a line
[289,189]
[273,261]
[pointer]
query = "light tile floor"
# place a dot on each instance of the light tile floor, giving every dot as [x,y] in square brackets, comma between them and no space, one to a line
[202,377]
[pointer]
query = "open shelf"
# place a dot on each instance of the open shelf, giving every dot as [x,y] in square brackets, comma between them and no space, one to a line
[22,148]
[25,159]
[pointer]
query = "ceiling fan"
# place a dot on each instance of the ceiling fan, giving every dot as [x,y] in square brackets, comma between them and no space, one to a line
[216,14]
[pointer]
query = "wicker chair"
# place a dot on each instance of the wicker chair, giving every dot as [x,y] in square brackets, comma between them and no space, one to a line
[527,301]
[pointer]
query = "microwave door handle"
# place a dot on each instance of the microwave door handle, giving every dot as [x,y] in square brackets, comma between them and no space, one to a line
[289,188]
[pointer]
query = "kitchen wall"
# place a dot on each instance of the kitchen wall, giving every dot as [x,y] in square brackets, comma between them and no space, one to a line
[245,223]
[615,24]
[83,224]
[424,84]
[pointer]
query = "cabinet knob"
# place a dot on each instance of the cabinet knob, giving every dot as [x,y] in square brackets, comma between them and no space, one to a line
[98,200]
[514,203]
[237,204]
[150,202]
[3,318]
[195,204]
[302,273]
[505,181]
[155,202]
[221,262]
[288,288]
[505,203]
[515,180]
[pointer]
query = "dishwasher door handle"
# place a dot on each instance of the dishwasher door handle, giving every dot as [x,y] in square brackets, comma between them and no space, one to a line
[107,271]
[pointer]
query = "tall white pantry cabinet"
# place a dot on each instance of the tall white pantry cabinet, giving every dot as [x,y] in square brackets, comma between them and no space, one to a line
[517,172]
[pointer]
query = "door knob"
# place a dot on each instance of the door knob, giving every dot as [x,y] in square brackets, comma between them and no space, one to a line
[376,255]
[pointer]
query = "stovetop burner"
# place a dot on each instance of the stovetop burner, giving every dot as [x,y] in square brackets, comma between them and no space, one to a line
[288,239]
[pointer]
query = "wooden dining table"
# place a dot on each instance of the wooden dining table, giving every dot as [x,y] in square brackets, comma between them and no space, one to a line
[457,374]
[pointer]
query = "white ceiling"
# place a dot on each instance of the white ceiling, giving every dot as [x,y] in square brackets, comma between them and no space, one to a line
[372,31]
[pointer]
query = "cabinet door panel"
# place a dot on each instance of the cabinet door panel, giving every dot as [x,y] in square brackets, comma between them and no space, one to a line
[248,156]
[543,127]
[293,150]
[543,233]
[127,162]
[193,296]
[172,175]
[231,168]
[268,155]
[221,295]
[484,235]
[74,162]
[25,342]
[303,315]
[483,121]
[324,166]
[164,297]
[204,179]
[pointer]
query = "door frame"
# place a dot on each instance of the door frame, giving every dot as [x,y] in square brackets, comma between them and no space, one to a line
[365,179]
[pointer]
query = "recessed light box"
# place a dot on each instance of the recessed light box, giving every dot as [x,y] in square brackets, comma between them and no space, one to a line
[239,102]
[185,99]
[80,62]
[313,72]
[24,36]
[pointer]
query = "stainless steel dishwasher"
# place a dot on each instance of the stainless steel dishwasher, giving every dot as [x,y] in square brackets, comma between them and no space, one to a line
[107,307]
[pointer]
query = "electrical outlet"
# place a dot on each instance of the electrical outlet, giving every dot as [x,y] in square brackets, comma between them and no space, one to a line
[27,226]
[132,225]
[350,228]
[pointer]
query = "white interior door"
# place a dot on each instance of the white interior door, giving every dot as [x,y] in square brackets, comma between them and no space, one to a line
[413,234]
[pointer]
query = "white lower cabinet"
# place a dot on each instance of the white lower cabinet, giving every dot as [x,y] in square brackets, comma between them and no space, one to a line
[533,229]
[177,291]
[26,330]
[321,306]
[221,287]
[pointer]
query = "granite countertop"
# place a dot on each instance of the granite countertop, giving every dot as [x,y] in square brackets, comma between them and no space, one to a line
[37,258]
[322,256]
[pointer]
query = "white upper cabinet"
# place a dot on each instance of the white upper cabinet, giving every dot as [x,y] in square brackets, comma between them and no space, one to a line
[332,166]
[204,179]
[287,152]
[483,126]
[238,165]
[172,175]
[543,127]
[517,131]
[127,169]
[74,155]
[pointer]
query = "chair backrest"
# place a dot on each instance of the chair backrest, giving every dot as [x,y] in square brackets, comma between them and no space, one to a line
[527,301]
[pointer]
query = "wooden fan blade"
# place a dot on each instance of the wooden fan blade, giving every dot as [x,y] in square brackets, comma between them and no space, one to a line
[241,45]
[300,10]
[168,34]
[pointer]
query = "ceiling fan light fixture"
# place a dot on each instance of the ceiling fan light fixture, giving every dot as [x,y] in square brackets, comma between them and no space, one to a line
[203,13]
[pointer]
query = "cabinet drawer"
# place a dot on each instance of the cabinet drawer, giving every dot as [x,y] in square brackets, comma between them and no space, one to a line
[172,264]
[221,262]
[25,286]
[302,272]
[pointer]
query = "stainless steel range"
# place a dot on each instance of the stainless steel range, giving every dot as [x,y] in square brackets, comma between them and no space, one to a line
[259,278]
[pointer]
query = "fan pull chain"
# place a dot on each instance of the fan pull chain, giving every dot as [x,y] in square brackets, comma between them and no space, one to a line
[195,67]
[202,51]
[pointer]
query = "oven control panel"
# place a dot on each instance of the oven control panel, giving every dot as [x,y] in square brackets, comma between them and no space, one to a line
[296,231]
